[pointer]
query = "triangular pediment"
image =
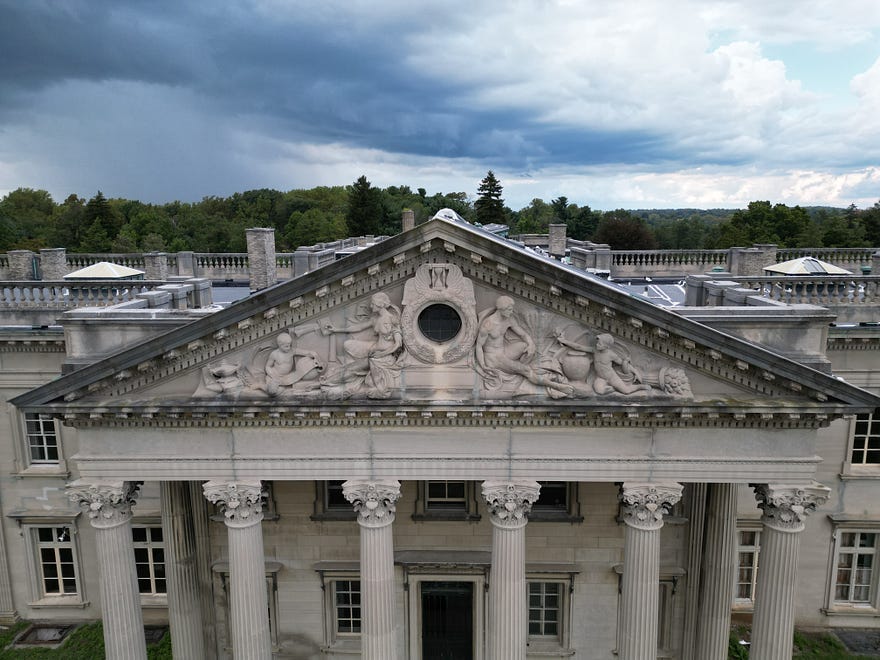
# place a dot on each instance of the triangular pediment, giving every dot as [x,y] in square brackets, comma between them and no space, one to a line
[448,317]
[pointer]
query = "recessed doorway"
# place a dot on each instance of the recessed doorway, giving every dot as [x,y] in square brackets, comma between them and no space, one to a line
[447,620]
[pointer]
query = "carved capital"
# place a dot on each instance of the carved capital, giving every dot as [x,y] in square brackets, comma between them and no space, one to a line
[644,505]
[786,506]
[374,501]
[241,501]
[510,501]
[108,503]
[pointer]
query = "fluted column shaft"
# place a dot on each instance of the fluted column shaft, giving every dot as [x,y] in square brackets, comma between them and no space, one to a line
[718,574]
[108,504]
[509,505]
[644,506]
[375,504]
[184,601]
[785,508]
[249,609]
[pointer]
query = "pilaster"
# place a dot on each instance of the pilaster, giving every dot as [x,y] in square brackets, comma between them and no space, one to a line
[785,508]
[108,505]
[509,505]
[375,504]
[242,506]
[643,508]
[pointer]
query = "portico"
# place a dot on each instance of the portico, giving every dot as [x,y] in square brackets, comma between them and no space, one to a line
[447,358]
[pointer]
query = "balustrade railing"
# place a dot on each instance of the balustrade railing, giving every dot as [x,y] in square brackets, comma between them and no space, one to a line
[849,258]
[830,290]
[651,258]
[68,295]
[77,260]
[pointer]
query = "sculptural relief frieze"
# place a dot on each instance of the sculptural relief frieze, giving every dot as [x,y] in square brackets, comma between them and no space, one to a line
[441,338]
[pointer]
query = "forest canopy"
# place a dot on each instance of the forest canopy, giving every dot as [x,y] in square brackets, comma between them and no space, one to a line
[31,219]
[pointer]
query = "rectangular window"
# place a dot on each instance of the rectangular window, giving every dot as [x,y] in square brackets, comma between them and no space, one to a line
[42,439]
[149,559]
[557,502]
[747,565]
[347,606]
[57,561]
[545,609]
[866,441]
[446,496]
[854,574]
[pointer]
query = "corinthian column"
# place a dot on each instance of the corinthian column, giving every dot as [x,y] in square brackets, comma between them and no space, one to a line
[242,506]
[644,506]
[108,504]
[718,573]
[785,508]
[375,504]
[509,505]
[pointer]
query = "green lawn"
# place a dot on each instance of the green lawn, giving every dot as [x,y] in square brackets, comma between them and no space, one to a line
[84,643]
[807,646]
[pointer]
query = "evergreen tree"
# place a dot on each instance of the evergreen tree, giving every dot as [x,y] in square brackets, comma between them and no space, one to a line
[489,205]
[365,211]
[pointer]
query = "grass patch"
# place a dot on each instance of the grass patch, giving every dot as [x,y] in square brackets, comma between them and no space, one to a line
[84,643]
[807,646]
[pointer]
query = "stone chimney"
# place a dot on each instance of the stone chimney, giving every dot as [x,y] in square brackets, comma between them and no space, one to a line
[156,266]
[558,239]
[261,258]
[21,265]
[408,219]
[53,263]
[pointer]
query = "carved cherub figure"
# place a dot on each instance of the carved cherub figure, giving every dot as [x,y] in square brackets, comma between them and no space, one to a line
[284,370]
[607,362]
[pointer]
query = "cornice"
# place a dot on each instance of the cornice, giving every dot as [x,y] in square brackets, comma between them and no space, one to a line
[443,417]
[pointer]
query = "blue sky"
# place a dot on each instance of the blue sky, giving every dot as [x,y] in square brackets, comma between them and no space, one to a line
[667,103]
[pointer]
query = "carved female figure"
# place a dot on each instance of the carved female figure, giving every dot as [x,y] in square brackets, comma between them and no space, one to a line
[372,367]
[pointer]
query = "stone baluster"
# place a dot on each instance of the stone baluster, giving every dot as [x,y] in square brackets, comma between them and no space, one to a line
[181,570]
[509,505]
[242,506]
[375,504]
[785,508]
[718,573]
[108,505]
[644,506]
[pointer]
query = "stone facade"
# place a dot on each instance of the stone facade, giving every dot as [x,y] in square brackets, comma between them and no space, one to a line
[438,433]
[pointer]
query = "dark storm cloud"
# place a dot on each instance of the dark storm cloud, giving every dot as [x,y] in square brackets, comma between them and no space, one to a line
[312,79]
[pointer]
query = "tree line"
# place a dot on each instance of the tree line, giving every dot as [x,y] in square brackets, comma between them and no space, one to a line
[31,219]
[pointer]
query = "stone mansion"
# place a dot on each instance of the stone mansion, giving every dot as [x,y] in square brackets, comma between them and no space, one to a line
[442,446]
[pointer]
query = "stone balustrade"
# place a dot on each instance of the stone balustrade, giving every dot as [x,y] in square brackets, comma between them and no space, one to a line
[66,295]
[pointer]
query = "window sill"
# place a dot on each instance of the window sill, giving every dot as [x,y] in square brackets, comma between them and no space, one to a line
[346,647]
[154,600]
[554,516]
[540,650]
[456,516]
[334,516]
[59,601]
[869,471]
[851,610]
[44,470]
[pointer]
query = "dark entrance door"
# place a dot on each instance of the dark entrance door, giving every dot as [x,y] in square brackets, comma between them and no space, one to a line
[447,620]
